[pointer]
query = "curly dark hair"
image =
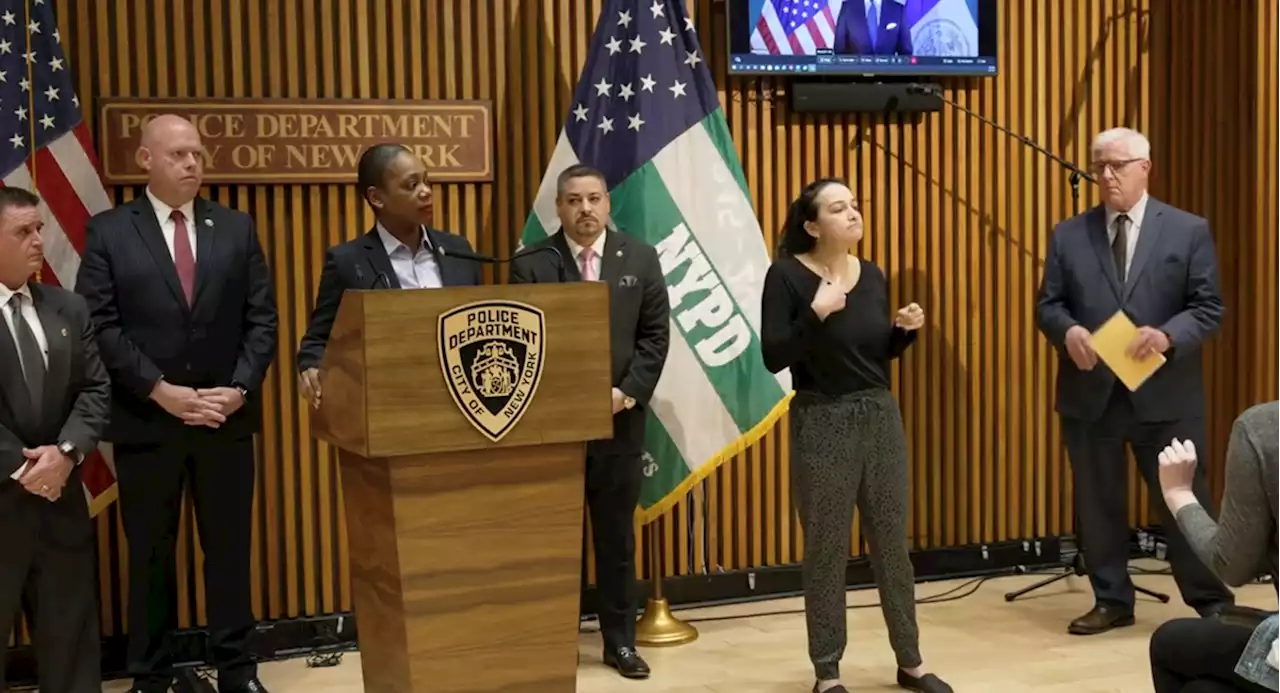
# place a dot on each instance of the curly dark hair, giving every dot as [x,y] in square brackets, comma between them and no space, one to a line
[794,239]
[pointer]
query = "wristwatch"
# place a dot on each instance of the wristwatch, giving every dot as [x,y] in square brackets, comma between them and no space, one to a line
[244,392]
[68,448]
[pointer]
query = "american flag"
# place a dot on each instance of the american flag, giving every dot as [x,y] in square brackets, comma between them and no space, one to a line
[795,27]
[45,147]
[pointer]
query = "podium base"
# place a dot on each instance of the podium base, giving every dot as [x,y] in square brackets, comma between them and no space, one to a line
[659,628]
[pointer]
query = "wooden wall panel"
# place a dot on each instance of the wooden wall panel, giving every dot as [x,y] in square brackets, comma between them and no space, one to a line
[958,217]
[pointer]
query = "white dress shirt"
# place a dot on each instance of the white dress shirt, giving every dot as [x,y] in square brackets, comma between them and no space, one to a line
[1136,214]
[164,215]
[597,245]
[33,319]
[417,268]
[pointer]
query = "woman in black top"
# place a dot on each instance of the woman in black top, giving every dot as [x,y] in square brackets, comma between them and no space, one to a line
[825,316]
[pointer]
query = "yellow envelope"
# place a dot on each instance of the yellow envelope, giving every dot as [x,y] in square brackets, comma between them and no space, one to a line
[1112,341]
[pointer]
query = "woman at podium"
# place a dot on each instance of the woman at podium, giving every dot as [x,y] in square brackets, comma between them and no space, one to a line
[401,251]
[825,316]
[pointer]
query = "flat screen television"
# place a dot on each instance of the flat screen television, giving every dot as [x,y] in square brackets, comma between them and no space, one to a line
[833,37]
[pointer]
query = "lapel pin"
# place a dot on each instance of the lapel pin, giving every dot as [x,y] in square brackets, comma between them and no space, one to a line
[619,253]
[64,332]
[208,222]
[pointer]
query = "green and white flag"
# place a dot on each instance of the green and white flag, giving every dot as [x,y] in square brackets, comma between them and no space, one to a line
[646,114]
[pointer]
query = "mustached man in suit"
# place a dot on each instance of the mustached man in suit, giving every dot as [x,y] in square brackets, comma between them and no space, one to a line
[54,403]
[182,299]
[872,27]
[639,334]
[1157,263]
[401,251]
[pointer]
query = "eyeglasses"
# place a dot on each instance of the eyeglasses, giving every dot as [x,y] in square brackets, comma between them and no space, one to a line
[1099,167]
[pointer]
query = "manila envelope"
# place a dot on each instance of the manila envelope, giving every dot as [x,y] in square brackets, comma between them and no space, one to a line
[1111,342]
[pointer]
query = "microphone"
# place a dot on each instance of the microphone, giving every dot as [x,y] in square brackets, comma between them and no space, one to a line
[381,276]
[477,257]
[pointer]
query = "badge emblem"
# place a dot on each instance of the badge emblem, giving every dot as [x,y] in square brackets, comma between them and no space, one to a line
[491,354]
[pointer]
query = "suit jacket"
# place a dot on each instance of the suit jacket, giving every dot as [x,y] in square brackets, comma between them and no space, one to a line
[77,396]
[147,331]
[639,322]
[893,36]
[1172,286]
[362,264]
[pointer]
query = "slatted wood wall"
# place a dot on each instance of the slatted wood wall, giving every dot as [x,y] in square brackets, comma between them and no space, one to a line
[958,217]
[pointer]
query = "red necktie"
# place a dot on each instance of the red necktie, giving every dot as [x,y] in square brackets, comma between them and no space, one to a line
[183,258]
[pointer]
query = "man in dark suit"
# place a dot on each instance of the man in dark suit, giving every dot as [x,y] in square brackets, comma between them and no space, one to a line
[181,296]
[394,183]
[1157,264]
[639,334]
[54,402]
[872,27]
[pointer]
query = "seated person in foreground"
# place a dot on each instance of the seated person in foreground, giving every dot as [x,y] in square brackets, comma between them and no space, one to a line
[1203,655]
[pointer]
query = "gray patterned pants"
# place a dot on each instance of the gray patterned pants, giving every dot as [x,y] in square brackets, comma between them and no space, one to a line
[845,451]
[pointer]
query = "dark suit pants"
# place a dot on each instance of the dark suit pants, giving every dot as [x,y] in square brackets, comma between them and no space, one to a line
[1199,655]
[151,479]
[1099,472]
[613,489]
[47,562]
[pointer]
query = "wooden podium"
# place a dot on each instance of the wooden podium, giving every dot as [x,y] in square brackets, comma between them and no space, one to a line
[466,529]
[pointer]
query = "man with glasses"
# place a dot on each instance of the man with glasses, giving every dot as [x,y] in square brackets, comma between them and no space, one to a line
[1157,264]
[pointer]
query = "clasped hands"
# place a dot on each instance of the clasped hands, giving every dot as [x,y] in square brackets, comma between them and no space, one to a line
[46,472]
[198,407]
[1148,341]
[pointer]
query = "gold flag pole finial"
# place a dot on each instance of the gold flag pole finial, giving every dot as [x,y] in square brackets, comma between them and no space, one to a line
[659,627]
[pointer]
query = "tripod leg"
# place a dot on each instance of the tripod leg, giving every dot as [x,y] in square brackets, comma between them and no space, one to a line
[1047,581]
[1164,598]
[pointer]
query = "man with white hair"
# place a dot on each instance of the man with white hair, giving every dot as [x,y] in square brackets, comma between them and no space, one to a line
[1157,264]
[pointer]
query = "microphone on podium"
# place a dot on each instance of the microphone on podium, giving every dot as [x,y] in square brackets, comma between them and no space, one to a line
[480,257]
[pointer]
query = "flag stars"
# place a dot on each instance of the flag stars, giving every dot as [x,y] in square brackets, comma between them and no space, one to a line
[667,37]
[51,94]
[25,84]
[4,76]
[624,18]
[47,121]
[647,83]
[634,122]
[56,64]
[17,141]
[677,89]
[580,113]
[57,36]
[602,89]
[688,25]
[657,9]
[21,113]
[692,58]
[626,92]
[9,19]
[6,47]
[637,45]
[30,56]
[75,100]
[34,27]
[606,125]
[614,46]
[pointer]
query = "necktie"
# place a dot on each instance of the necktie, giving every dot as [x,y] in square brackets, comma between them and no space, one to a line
[585,265]
[29,353]
[873,21]
[1120,245]
[183,258]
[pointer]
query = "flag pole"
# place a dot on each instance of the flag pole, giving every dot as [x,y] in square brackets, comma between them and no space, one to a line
[659,627]
[31,106]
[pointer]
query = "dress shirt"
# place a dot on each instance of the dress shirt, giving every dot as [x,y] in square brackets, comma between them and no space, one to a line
[416,269]
[33,319]
[597,245]
[164,215]
[1136,214]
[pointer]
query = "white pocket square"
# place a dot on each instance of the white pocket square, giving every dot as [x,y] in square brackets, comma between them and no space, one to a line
[628,280]
[891,26]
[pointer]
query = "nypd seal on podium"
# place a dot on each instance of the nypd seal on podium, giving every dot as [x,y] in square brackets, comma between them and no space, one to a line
[491,353]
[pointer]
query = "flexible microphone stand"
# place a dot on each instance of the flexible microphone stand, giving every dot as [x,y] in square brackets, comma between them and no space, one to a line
[1075,566]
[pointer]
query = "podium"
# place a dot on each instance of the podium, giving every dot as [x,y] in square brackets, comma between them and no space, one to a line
[461,417]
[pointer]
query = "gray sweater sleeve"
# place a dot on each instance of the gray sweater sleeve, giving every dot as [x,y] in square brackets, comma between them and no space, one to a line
[1235,547]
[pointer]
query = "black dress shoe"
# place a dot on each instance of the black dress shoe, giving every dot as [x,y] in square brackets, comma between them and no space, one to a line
[925,684]
[1100,619]
[253,685]
[628,663]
